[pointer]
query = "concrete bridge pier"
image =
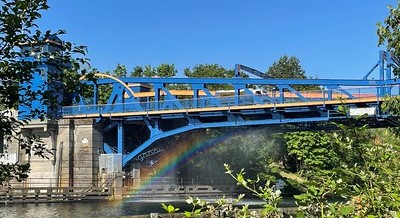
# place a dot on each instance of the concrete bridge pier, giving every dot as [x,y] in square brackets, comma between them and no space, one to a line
[76,146]
[83,139]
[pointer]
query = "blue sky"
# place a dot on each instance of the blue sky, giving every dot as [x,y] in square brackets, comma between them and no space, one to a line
[332,39]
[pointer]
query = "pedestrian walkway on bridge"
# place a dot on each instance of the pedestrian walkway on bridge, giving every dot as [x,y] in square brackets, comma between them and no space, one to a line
[150,109]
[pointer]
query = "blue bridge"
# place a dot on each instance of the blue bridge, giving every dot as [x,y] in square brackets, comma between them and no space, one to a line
[141,111]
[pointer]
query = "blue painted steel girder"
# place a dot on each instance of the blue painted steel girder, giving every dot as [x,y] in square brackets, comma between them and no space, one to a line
[128,157]
[168,101]
[235,119]
[118,103]
[250,81]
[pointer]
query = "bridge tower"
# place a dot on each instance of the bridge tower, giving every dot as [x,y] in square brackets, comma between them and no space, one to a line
[74,144]
[46,79]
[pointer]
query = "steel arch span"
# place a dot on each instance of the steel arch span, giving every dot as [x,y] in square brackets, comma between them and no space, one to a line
[141,111]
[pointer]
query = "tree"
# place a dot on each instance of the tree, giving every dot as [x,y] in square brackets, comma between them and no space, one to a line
[208,70]
[211,71]
[389,36]
[149,71]
[286,67]
[250,147]
[289,68]
[389,32]
[18,27]
[137,71]
[163,70]
[120,71]
[305,150]
[310,151]
[166,70]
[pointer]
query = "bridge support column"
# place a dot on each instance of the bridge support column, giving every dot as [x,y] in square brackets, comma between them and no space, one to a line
[65,153]
[42,172]
[118,188]
[87,145]
[120,138]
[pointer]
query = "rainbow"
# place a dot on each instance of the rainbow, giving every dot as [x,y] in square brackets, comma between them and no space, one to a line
[180,155]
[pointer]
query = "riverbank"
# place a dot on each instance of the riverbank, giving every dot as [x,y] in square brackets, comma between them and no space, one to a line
[287,212]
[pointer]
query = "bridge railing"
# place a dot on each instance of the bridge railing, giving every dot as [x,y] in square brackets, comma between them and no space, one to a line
[53,182]
[177,181]
[270,97]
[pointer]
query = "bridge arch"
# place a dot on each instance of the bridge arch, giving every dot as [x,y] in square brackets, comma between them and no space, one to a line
[102,75]
[284,104]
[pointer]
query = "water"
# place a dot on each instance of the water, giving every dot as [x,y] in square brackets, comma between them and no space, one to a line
[79,209]
[93,209]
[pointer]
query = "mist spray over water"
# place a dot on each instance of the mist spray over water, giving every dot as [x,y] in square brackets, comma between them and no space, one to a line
[201,154]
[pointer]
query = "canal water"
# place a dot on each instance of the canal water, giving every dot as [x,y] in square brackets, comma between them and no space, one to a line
[80,209]
[93,209]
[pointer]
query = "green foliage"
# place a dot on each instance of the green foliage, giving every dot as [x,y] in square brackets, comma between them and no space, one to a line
[208,71]
[17,171]
[169,209]
[18,27]
[314,201]
[166,70]
[120,71]
[266,192]
[391,105]
[163,70]
[389,36]
[225,208]
[286,67]
[149,71]
[137,71]
[255,148]
[221,208]
[289,68]
[374,183]
[310,150]
[211,71]
[367,177]
[359,179]
[198,206]
[104,92]
[389,32]
[350,140]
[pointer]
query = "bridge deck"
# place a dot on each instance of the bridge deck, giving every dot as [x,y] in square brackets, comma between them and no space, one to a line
[227,108]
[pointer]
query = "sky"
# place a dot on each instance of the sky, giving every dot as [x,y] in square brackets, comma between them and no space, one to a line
[333,39]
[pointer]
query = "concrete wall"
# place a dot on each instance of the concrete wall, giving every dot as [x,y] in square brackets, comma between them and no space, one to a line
[87,144]
[41,168]
[65,152]
[75,145]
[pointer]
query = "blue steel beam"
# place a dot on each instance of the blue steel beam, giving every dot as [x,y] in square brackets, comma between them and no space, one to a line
[120,138]
[108,149]
[128,157]
[388,71]
[237,120]
[282,87]
[209,96]
[240,67]
[250,81]
[167,101]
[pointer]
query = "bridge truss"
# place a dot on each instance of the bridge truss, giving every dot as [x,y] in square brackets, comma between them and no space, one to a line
[141,111]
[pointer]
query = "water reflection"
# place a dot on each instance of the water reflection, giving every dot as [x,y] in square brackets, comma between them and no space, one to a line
[82,209]
[101,209]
